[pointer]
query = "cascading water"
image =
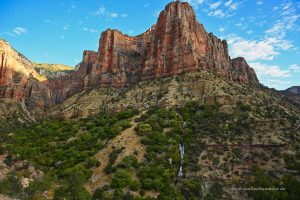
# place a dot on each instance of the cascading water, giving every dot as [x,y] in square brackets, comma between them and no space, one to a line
[181,149]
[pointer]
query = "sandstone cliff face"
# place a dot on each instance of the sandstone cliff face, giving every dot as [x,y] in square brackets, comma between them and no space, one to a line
[14,72]
[242,72]
[176,44]
[18,79]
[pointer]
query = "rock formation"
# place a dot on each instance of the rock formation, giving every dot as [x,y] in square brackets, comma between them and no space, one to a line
[177,43]
[19,80]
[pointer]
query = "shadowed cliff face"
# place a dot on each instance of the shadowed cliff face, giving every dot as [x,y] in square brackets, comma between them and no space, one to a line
[177,43]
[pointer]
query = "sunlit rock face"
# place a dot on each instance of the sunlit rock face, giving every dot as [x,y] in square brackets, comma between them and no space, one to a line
[177,43]
[18,79]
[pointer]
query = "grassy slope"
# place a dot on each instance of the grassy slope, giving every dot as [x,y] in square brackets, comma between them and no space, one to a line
[53,67]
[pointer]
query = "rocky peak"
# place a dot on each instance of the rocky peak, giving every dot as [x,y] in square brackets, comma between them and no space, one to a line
[176,15]
[242,72]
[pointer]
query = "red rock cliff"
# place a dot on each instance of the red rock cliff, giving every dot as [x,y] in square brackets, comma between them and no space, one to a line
[17,79]
[177,43]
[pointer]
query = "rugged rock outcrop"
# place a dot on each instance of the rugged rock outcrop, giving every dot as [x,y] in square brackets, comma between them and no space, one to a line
[19,80]
[15,70]
[242,72]
[177,43]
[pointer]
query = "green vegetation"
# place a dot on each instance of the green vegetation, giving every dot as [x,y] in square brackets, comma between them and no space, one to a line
[48,71]
[286,188]
[63,149]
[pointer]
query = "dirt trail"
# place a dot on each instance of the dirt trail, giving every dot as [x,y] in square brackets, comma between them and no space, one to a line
[127,139]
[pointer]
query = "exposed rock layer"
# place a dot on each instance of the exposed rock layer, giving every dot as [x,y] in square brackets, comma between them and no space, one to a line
[19,80]
[176,44]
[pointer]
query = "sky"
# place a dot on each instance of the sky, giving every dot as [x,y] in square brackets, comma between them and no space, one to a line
[265,32]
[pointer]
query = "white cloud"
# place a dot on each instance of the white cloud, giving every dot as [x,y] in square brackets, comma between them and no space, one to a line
[269,70]
[222,29]
[253,50]
[47,21]
[19,30]
[228,3]
[294,68]
[239,24]
[277,81]
[113,15]
[90,30]
[223,9]
[217,13]
[66,27]
[249,32]
[8,33]
[288,17]
[215,5]
[234,6]
[102,11]
[195,3]
[72,7]
[62,37]
[250,49]
[259,2]
[279,43]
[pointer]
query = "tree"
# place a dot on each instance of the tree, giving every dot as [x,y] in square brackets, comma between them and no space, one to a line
[121,179]
[72,187]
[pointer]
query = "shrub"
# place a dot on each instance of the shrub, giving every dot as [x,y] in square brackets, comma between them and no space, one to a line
[144,129]
[121,179]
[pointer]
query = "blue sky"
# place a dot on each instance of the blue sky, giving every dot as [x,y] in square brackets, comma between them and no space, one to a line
[265,32]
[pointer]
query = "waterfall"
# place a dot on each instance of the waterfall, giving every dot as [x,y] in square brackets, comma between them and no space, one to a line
[181,149]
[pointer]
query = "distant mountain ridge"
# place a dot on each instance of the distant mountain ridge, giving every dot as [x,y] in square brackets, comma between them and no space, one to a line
[293,94]
[294,90]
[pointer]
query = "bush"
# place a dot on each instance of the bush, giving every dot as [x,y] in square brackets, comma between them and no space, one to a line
[92,162]
[143,129]
[134,186]
[121,179]
[72,187]
[11,186]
